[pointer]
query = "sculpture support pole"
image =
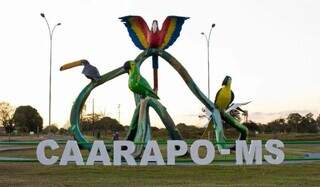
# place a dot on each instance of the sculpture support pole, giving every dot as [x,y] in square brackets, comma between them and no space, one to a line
[134,124]
[140,129]
[155,66]
[143,127]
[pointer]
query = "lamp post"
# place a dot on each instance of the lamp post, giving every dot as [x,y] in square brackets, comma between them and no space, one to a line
[207,37]
[51,36]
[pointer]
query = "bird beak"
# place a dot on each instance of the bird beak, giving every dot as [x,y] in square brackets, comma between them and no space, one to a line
[154,26]
[126,66]
[71,65]
[225,81]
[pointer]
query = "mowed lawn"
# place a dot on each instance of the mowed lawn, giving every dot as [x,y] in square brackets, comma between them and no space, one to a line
[34,174]
[291,175]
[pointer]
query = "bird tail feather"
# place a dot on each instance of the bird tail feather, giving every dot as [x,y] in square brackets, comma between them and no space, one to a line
[154,95]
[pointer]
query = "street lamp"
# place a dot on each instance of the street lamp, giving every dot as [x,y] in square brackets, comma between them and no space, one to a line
[50,35]
[207,37]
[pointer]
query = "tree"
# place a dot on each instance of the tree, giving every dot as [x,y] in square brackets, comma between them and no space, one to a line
[63,131]
[308,124]
[190,131]
[87,121]
[90,119]
[83,111]
[107,123]
[52,129]
[278,125]
[252,126]
[294,120]
[100,124]
[6,112]
[27,118]
[318,122]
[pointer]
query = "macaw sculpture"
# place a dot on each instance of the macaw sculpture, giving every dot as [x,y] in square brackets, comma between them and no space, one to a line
[154,41]
[145,38]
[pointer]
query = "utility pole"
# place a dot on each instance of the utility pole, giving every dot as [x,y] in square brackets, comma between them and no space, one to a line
[119,112]
[93,117]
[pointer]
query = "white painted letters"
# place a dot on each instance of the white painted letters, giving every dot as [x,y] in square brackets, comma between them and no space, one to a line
[41,156]
[124,150]
[98,146]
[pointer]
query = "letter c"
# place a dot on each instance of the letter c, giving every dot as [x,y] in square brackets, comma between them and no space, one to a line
[41,156]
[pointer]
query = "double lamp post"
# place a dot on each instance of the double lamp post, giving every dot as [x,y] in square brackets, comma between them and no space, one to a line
[207,37]
[51,31]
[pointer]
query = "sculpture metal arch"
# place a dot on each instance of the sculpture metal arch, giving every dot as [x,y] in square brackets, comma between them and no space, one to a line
[140,130]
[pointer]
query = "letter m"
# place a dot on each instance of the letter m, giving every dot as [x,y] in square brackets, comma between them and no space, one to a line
[254,152]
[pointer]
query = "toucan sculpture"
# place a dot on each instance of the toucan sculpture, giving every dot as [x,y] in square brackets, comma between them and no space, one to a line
[89,70]
[137,83]
[145,38]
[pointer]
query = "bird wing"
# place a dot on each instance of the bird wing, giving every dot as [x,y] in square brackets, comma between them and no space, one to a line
[138,30]
[236,105]
[91,71]
[170,30]
[143,83]
[232,98]
[215,100]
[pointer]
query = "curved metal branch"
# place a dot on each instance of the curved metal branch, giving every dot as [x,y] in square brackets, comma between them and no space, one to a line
[80,101]
[216,117]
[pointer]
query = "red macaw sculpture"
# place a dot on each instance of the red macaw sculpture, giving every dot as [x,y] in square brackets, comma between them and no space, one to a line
[145,38]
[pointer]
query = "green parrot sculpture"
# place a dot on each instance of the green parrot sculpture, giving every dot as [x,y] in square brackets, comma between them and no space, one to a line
[137,83]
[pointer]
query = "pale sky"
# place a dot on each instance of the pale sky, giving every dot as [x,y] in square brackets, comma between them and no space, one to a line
[269,48]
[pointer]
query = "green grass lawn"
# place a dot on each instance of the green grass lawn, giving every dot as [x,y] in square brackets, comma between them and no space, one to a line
[32,174]
[293,174]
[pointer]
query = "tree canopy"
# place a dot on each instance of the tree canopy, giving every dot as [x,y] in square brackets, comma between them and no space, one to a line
[27,118]
[104,123]
[6,112]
